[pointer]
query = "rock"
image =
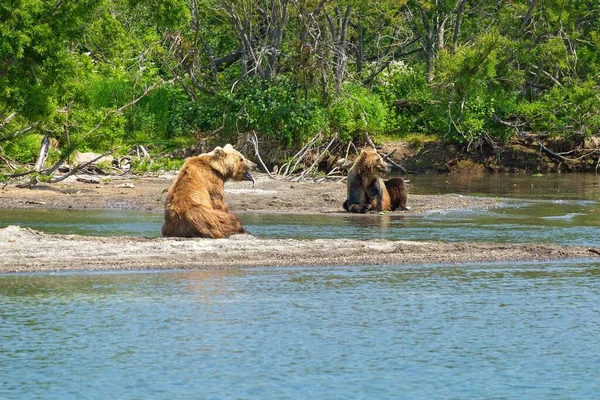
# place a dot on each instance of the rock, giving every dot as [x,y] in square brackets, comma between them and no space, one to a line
[125,185]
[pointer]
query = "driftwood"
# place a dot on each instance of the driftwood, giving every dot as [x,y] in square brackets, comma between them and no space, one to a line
[92,180]
[343,164]
[299,156]
[43,155]
[387,158]
[34,181]
[8,163]
[317,160]
[304,162]
[253,140]
[314,152]
[142,150]
[560,157]
[120,166]
[370,141]
[125,185]
[39,203]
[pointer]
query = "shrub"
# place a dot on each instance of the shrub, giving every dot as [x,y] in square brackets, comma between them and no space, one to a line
[356,112]
[420,112]
[570,111]
[278,109]
[25,148]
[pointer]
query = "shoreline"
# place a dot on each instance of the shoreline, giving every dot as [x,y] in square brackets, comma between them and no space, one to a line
[27,250]
[269,196]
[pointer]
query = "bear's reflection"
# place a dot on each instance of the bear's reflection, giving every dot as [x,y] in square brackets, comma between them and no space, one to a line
[207,285]
[374,220]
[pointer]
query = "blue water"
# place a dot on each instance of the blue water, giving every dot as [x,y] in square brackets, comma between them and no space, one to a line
[527,331]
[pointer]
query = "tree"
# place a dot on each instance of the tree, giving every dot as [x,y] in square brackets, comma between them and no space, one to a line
[52,53]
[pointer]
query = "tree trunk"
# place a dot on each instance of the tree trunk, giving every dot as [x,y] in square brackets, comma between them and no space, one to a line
[360,49]
[527,17]
[43,155]
[459,13]
[338,38]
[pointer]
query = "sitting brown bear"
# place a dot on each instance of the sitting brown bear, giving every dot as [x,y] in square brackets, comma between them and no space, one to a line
[195,205]
[367,191]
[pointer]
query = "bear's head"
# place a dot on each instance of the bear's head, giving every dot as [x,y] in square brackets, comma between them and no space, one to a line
[370,163]
[232,164]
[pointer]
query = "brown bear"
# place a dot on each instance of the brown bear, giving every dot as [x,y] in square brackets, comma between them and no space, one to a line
[195,205]
[367,191]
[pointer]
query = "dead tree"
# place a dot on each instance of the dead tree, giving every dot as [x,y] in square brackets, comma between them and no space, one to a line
[259,27]
[338,29]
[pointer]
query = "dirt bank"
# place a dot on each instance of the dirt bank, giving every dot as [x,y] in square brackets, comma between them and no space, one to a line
[269,195]
[528,154]
[28,250]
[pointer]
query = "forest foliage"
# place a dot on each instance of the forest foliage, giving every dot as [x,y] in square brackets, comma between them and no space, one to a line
[107,74]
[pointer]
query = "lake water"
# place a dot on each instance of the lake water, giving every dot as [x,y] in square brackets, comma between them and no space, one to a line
[471,331]
[521,186]
[483,331]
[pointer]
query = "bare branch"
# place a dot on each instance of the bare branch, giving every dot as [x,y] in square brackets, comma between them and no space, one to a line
[8,163]
[302,153]
[7,120]
[370,141]
[79,167]
[513,126]
[457,22]
[253,140]
[527,17]
[317,160]
[395,55]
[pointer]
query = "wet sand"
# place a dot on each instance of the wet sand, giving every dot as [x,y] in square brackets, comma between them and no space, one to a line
[25,250]
[268,196]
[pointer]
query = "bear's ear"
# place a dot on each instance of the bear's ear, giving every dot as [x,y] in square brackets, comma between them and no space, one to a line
[219,152]
[228,147]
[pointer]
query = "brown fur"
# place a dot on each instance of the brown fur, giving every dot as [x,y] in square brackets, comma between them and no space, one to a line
[195,205]
[396,189]
[367,191]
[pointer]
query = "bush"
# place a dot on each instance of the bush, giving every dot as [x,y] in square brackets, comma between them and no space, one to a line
[25,149]
[356,112]
[420,112]
[157,165]
[279,110]
[158,116]
[570,111]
